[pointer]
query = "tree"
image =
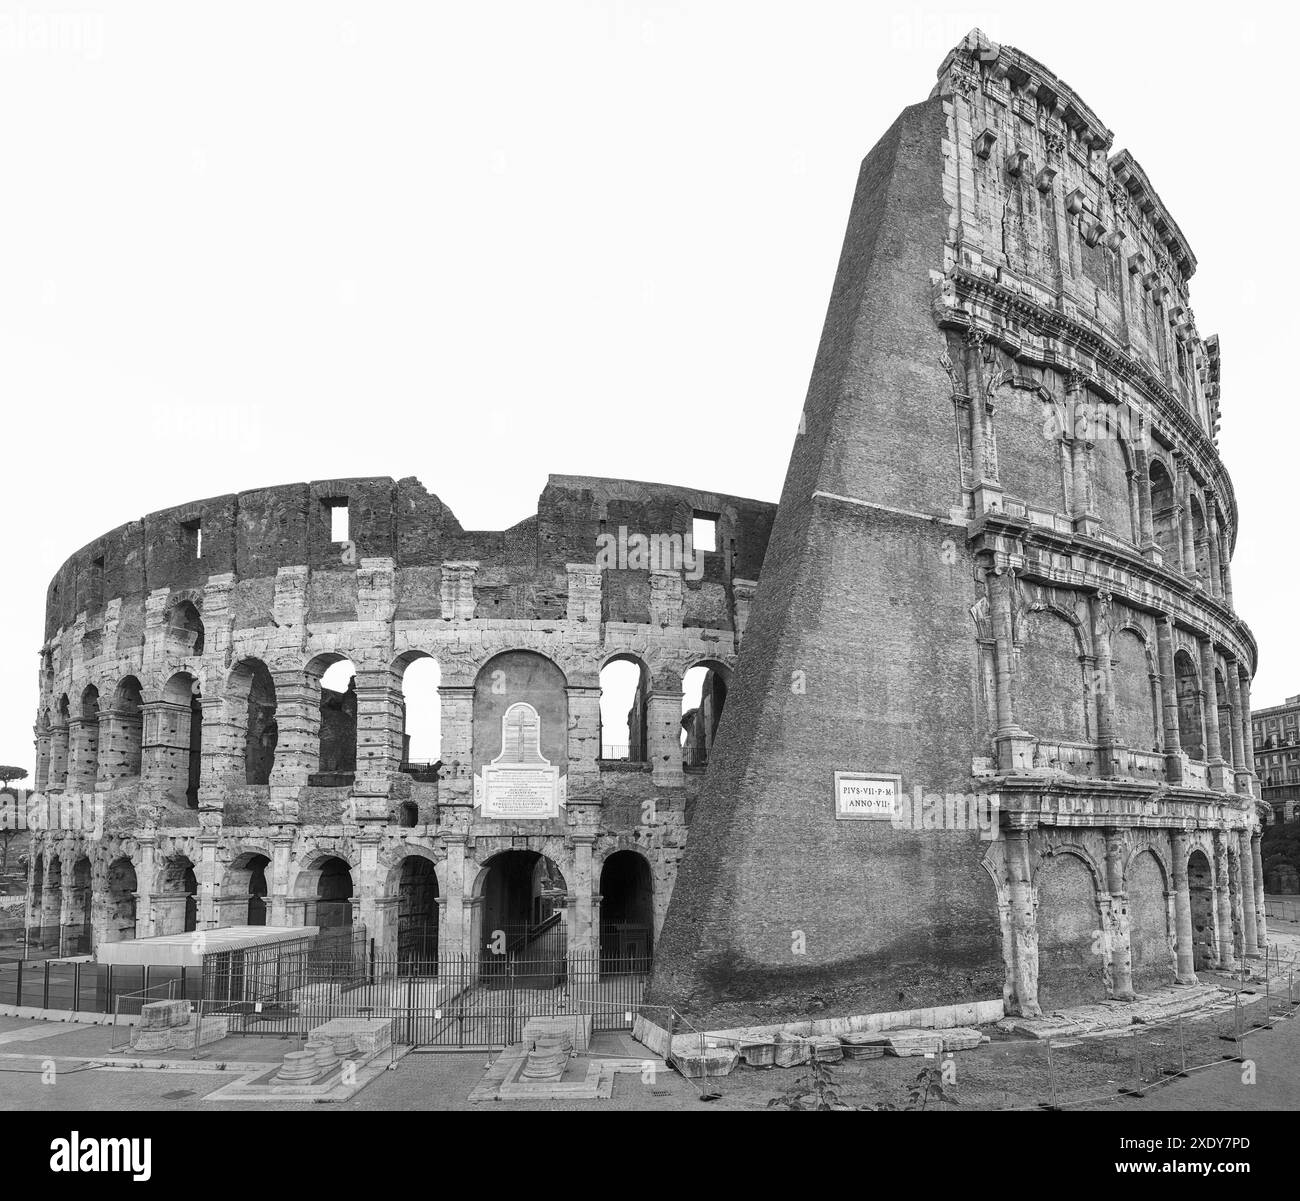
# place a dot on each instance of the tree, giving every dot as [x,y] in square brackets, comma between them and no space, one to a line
[9,830]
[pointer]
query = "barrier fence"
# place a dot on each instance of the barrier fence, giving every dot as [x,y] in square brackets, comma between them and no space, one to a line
[451,1002]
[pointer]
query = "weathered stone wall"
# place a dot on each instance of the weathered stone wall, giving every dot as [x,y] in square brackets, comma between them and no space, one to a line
[520,615]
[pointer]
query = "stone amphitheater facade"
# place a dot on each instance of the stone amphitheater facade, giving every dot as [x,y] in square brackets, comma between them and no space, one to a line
[1000,569]
[181,705]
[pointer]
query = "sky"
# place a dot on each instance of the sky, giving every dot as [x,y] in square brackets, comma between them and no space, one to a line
[250,244]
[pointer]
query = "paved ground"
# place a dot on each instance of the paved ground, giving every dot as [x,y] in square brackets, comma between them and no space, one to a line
[50,1066]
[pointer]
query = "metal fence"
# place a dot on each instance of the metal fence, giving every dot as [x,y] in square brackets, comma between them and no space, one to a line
[18,941]
[87,987]
[452,1001]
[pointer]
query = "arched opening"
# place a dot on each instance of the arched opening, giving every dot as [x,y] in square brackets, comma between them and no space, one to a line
[417,912]
[1224,717]
[1201,541]
[521,677]
[337,679]
[523,907]
[251,704]
[408,814]
[1070,972]
[1234,892]
[59,736]
[624,697]
[120,744]
[184,631]
[77,940]
[1200,884]
[331,904]
[122,886]
[51,902]
[626,913]
[421,716]
[704,695]
[177,905]
[1164,519]
[244,891]
[85,749]
[1153,962]
[37,900]
[1191,726]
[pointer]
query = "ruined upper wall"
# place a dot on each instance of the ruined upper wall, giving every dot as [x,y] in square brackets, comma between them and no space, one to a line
[1039,208]
[252,534]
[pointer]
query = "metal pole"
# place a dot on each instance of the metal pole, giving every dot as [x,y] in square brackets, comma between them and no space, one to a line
[18,993]
[1051,1070]
[1182,1049]
[45,994]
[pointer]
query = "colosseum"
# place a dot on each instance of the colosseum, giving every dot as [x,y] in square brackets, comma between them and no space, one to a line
[997,584]
[182,692]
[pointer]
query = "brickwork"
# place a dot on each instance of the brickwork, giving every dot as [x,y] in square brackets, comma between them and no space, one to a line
[1000,567]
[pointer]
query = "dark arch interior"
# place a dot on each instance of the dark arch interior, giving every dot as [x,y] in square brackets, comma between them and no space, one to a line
[334,894]
[523,899]
[417,911]
[1200,883]
[626,912]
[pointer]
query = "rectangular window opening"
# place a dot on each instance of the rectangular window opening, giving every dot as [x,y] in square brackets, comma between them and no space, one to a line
[704,532]
[193,533]
[338,510]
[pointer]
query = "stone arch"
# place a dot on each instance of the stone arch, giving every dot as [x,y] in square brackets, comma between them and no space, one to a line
[1200,538]
[1223,717]
[1071,940]
[627,911]
[241,898]
[250,710]
[413,879]
[1191,719]
[521,676]
[624,706]
[174,738]
[419,677]
[119,743]
[175,896]
[121,886]
[705,686]
[79,939]
[1030,426]
[185,633]
[1113,469]
[84,752]
[522,903]
[1200,886]
[1137,689]
[1150,937]
[1164,511]
[326,882]
[1052,681]
[331,714]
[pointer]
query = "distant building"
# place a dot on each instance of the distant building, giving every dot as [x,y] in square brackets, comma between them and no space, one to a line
[1277,757]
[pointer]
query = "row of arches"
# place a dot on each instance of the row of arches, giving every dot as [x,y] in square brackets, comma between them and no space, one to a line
[1137,495]
[521,895]
[1058,682]
[164,740]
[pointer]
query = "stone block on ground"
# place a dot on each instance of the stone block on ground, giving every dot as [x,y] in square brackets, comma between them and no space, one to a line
[712,1061]
[791,1050]
[914,1042]
[826,1048]
[160,1014]
[759,1053]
